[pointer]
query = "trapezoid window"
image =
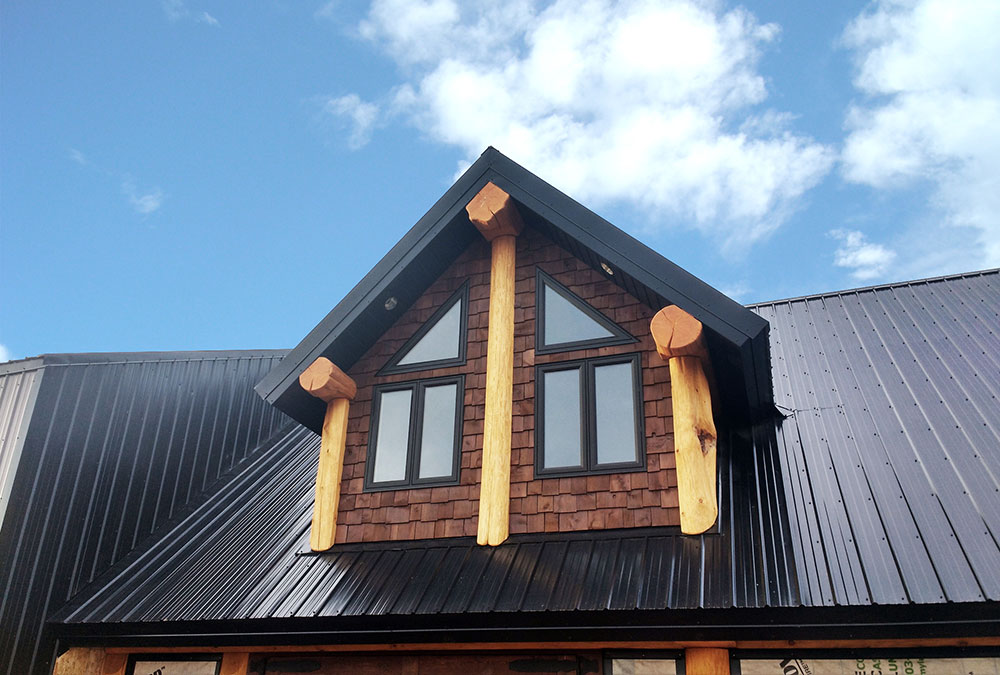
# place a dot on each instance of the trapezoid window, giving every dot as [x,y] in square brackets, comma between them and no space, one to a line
[416,431]
[564,321]
[439,343]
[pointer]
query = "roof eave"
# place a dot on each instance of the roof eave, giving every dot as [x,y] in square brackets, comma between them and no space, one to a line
[443,232]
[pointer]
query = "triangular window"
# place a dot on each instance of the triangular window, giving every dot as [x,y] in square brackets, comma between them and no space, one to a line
[564,321]
[440,342]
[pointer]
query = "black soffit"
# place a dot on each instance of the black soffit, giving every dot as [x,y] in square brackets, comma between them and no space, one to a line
[737,337]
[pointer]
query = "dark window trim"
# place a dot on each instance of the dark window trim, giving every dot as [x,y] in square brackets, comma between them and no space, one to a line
[176,658]
[675,655]
[620,335]
[392,366]
[588,407]
[414,433]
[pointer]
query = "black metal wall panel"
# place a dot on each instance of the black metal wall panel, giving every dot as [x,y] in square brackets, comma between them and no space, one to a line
[891,448]
[118,446]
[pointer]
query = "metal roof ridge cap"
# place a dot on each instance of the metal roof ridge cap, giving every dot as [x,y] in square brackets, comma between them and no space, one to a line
[264,387]
[875,287]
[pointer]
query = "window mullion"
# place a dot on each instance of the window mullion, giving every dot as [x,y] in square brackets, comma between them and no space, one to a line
[588,405]
[416,430]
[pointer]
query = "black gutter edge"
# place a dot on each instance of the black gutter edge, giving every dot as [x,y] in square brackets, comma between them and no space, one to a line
[955,621]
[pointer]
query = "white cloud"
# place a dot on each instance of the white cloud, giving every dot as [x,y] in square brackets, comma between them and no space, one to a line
[207,18]
[78,157]
[637,102]
[5,354]
[328,10]
[143,202]
[866,260]
[359,115]
[177,10]
[931,72]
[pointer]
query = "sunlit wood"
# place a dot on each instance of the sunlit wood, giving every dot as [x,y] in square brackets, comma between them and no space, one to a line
[679,339]
[324,380]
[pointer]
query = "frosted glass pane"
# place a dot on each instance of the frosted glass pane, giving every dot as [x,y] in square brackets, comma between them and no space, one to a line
[437,440]
[440,342]
[393,433]
[616,440]
[562,419]
[565,322]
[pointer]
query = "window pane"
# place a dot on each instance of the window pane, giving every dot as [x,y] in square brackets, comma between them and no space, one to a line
[437,442]
[393,431]
[562,419]
[440,342]
[616,441]
[565,322]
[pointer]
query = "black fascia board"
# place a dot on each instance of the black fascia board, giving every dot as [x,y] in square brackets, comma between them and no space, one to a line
[438,237]
[721,315]
[955,621]
[445,231]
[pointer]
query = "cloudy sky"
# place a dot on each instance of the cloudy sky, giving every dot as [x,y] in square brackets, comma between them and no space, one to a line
[197,174]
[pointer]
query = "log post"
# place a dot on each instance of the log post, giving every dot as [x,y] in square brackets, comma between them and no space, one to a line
[679,340]
[235,663]
[324,380]
[494,214]
[706,661]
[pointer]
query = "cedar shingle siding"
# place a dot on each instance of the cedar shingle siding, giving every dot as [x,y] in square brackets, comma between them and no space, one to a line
[633,499]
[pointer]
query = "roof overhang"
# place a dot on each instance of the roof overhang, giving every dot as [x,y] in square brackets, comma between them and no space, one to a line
[737,338]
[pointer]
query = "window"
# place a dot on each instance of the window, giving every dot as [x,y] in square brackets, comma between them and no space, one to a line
[416,431]
[439,343]
[565,321]
[588,416]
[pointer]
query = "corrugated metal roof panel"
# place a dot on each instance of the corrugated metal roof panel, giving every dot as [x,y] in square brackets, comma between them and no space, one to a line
[18,389]
[891,451]
[118,446]
[249,557]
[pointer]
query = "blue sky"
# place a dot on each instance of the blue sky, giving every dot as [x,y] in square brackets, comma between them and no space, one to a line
[186,174]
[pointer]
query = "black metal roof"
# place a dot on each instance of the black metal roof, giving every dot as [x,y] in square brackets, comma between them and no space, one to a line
[737,337]
[878,487]
[890,448]
[117,448]
[244,556]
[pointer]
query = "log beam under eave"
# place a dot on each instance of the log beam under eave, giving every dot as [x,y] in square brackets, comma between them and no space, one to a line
[324,380]
[679,340]
[494,214]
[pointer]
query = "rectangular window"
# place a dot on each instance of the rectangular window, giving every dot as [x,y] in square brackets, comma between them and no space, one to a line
[588,416]
[415,435]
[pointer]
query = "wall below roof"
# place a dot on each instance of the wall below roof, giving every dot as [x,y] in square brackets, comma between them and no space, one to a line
[633,499]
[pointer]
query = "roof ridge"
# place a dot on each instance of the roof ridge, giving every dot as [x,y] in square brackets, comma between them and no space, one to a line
[105,358]
[875,287]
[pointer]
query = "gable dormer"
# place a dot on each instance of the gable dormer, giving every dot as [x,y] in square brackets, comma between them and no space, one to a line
[583,435]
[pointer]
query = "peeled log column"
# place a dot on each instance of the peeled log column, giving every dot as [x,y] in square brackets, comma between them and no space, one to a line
[706,661]
[324,380]
[493,213]
[679,340]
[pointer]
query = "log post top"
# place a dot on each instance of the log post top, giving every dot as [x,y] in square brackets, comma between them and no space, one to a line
[324,380]
[677,333]
[494,214]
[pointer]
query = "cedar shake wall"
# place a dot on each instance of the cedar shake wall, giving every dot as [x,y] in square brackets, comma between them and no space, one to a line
[631,499]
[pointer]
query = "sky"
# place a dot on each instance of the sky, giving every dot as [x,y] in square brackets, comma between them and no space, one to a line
[199,174]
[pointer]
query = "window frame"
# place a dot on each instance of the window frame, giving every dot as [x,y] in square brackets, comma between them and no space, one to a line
[461,295]
[619,336]
[414,434]
[588,408]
